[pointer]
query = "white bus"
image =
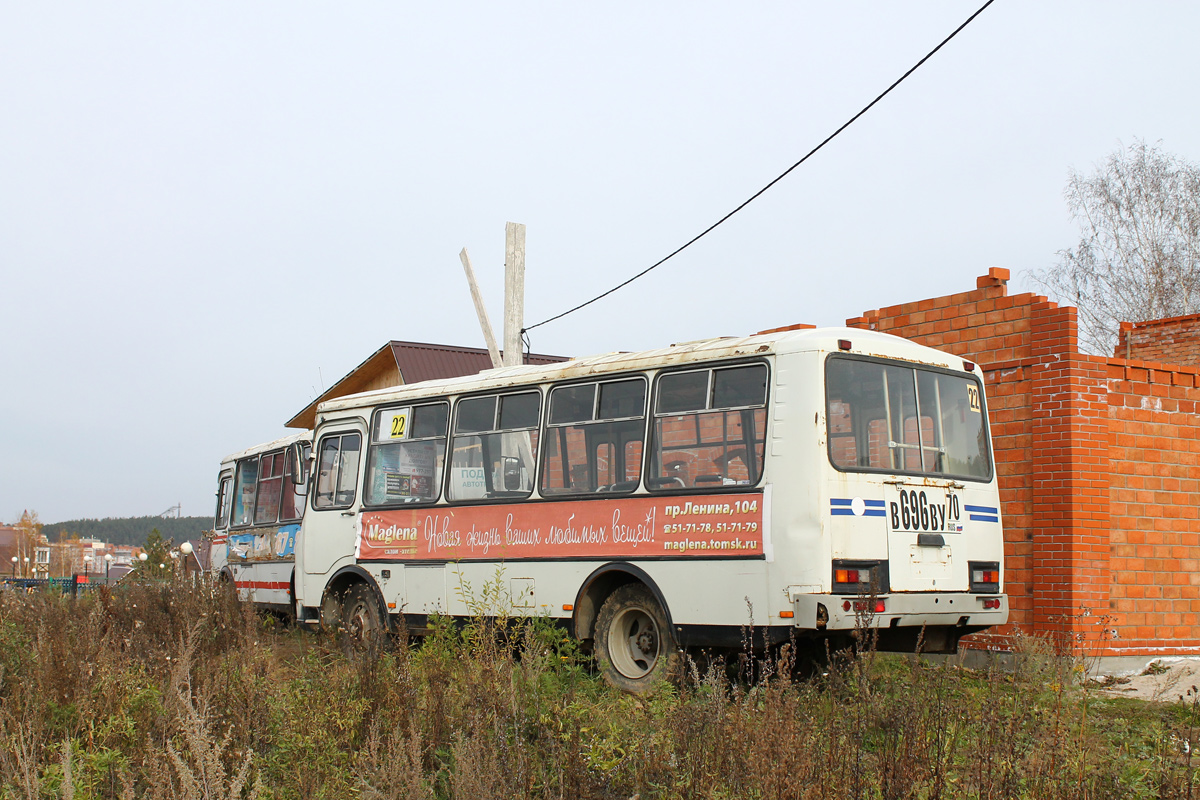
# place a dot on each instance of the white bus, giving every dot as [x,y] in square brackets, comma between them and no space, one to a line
[259,508]
[795,482]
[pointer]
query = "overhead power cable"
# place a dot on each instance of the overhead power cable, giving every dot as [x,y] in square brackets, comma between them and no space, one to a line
[780,177]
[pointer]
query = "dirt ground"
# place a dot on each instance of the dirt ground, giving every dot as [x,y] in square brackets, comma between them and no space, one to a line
[1165,680]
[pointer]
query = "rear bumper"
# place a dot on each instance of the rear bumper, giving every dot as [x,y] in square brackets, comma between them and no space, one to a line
[941,609]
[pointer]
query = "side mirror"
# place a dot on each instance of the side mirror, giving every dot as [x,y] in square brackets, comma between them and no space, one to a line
[512,474]
[298,466]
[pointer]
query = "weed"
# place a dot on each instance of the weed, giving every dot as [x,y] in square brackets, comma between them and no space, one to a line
[178,691]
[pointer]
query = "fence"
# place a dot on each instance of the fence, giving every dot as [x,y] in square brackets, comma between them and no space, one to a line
[73,586]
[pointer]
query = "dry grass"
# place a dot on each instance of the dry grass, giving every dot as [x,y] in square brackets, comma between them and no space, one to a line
[171,691]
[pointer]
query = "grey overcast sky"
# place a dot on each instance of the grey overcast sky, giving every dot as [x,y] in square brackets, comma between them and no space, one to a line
[211,211]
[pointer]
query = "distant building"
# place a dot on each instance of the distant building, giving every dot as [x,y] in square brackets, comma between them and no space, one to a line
[398,363]
[8,547]
[32,554]
[86,556]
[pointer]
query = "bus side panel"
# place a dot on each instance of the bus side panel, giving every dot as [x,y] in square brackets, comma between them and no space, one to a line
[264,582]
[797,469]
[737,594]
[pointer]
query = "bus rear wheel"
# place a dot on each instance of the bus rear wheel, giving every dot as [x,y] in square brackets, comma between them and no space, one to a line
[634,644]
[363,626]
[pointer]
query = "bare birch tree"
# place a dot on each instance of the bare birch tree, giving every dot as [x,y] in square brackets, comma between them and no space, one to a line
[1138,257]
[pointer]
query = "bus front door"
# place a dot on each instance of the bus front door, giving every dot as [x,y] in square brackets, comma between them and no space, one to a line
[330,527]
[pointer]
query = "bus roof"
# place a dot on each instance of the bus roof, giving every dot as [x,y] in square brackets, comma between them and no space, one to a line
[277,444]
[863,342]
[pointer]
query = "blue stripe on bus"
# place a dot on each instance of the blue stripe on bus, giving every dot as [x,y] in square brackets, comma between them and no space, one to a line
[840,507]
[984,518]
[982,509]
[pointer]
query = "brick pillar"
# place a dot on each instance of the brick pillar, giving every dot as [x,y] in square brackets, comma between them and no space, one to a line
[1070,478]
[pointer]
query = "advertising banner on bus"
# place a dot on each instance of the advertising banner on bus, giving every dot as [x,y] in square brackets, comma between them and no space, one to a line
[630,527]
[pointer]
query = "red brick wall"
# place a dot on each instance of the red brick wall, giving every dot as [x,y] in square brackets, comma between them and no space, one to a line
[1171,341]
[1154,437]
[1099,468]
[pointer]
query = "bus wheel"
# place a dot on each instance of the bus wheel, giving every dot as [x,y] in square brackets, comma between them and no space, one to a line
[633,641]
[362,620]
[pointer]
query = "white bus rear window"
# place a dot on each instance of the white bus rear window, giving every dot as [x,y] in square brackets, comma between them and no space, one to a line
[898,418]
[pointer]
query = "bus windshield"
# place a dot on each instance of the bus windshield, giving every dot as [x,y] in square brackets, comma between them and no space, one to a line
[893,417]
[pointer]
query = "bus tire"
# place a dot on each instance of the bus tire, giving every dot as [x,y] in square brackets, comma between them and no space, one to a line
[634,645]
[363,623]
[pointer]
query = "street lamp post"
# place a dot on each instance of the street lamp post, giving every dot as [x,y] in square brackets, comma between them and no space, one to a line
[185,550]
[108,559]
[26,572]
[87,565]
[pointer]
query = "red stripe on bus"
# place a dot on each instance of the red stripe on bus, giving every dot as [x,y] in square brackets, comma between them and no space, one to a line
[262,584]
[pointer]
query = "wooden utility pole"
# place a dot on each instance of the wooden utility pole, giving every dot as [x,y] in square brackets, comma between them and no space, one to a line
[514,292]
[481,310]
[514,297]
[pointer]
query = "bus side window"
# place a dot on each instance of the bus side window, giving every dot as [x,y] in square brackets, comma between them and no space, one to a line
[270,488]
[244,492]
[494,447]
[406,455]
[594,435]
[709,428]
[223,497]
[294,494]
[337,471]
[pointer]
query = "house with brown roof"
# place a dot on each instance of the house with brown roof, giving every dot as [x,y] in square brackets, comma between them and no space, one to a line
[398,363]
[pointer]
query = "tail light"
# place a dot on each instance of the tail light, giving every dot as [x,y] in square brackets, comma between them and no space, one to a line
[876,606]
[985,576]
[860,577]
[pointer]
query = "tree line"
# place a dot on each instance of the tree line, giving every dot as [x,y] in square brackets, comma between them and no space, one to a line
[129,530]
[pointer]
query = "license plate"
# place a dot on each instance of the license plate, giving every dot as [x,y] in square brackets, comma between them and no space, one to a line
[924,510]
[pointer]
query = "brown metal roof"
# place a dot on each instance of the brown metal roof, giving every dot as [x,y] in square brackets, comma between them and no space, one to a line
[419,361]
[398,363]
